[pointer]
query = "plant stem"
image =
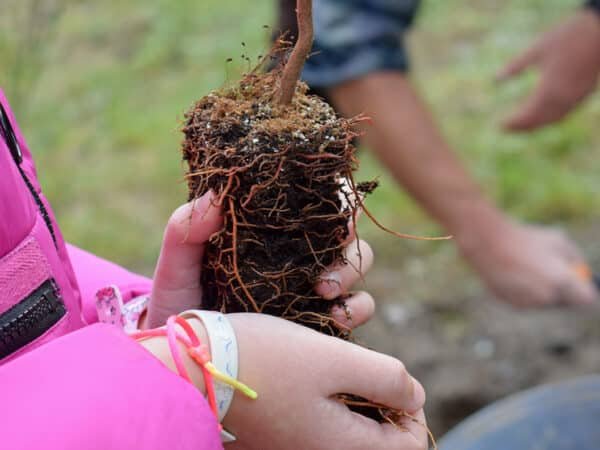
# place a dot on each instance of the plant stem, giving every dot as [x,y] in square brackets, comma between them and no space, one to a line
[293,68]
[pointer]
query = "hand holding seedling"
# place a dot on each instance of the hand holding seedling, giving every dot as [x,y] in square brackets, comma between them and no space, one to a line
[296,371]
[568,59]
[177,277]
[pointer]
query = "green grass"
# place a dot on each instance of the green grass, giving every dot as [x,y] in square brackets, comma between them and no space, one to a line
[100,87]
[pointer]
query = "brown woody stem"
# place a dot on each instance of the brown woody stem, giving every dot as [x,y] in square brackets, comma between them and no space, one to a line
[293,68]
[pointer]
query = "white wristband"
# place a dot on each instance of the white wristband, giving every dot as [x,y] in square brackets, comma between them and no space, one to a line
[224,356]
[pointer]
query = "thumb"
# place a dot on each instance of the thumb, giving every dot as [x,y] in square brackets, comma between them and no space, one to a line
[176,284]
[517,64]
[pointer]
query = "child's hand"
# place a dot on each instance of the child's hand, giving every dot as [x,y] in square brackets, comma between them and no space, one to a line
[177,287]
[297,371]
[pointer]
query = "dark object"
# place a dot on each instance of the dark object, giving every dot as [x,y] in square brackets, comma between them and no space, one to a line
[596,279]
[561,416]
[9,136]
[30,318]
[593,4]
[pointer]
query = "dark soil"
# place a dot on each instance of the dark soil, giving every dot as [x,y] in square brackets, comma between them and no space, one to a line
[278,174]
[467,348]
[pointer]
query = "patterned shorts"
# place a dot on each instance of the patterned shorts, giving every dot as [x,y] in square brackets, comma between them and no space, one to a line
[353,37]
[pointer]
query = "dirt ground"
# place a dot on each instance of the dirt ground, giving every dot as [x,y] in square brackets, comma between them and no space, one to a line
[466,348]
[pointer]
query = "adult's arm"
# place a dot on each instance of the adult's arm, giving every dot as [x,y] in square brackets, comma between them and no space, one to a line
[360,64]
[521,264]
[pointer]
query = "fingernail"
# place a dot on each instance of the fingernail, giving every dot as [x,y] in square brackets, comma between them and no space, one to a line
[329,285]
[203,202]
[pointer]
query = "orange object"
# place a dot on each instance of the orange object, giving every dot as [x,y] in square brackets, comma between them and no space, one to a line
[583,271]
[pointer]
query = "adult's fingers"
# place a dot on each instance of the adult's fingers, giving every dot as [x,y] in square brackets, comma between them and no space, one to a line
[356,310]
[518,64]
[378,378]
[176,284]
[532,113]
[358,257]
[542,107]
[575,291]
[578,287]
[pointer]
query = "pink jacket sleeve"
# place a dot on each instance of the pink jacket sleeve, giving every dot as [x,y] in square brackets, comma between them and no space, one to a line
[96,388]
[94,273]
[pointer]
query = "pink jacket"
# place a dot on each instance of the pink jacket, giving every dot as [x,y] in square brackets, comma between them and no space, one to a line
[65,384]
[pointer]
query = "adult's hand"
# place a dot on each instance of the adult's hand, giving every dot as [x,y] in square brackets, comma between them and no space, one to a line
[568,59]
[528,265]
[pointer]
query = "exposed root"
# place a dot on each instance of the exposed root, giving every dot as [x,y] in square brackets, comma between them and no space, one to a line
[277,175]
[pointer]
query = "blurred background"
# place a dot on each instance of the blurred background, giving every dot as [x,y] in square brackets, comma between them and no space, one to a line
[99,89]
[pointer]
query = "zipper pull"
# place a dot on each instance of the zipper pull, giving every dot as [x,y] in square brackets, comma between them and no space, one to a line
[9,136]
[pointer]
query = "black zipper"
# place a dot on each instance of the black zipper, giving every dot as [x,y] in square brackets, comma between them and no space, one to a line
[15,150]
[30,318]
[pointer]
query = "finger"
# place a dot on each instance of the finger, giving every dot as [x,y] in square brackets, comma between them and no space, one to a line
[376,377]
[352,227]
[356,310]
[366,433]
[410,432]
[518,64]
[358,259]
[529,115]
[568,249]
[542,107]
[577,292]
[176,284]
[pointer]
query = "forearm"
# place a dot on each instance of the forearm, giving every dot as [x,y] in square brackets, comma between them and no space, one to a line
[406,139]
[159,347]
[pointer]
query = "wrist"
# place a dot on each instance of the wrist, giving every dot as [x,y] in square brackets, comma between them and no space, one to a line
[159,347]
[479,228]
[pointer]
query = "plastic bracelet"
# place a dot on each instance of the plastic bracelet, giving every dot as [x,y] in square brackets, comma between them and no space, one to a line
[201,355]
[224,352]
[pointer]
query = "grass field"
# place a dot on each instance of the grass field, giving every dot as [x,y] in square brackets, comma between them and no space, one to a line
[100,87]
